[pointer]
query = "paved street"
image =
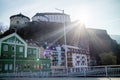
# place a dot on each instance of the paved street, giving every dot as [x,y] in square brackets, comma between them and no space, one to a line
[62,78]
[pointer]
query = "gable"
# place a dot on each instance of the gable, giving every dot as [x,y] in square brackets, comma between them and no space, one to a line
[13,38]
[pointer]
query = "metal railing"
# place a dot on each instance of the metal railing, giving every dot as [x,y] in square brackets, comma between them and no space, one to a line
[91,71]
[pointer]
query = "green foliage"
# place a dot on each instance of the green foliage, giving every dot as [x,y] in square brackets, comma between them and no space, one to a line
[108,58]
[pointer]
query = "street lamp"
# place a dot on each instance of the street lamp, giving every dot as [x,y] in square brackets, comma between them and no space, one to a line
[64,37]
[14,52]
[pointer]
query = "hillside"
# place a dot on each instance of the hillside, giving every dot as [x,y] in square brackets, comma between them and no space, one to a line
[100,42]
[53,33]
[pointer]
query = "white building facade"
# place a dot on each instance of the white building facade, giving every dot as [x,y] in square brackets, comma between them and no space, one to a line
[79,60]
[51,17]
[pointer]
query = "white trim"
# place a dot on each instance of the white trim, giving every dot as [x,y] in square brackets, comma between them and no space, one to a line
[25,55]
[69,46]
[32,47]
[13,43]
[14,34]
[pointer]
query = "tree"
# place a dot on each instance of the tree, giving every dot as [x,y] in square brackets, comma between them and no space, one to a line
[3,28]
[108,58]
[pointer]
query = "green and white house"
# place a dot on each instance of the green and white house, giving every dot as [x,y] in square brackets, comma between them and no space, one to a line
[17,55]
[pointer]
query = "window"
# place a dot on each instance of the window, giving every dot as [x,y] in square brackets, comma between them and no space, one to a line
[17,22]
[35,66]
[35,51]
[5,48]
[6,66]
[83,57]
[48,65]
[21,49]
[83,63]
[10,67]
[41,66]
[29,51]
[13,48]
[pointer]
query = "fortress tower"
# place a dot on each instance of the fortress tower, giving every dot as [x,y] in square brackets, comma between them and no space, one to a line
[18,21]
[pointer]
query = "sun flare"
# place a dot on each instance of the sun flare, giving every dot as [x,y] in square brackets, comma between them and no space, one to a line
[83,14]
[84,18]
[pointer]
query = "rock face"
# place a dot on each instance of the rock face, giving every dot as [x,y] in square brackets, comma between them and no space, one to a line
[100,42]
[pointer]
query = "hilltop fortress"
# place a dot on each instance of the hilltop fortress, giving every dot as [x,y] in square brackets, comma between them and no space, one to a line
[21,20]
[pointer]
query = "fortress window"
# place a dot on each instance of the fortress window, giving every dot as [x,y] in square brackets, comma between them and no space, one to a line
[17,22]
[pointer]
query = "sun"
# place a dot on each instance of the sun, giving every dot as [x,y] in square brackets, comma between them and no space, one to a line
[84,15]
[83,18]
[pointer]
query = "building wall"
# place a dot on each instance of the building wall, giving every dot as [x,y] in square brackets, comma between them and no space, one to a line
[31,61]
[28,65]
[52,18]
[77,57]
[39,18]
[79,60]
[18,21]
[8,50]
[11,46]
[33,52]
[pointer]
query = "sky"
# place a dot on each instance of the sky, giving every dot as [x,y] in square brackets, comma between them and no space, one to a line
[100,14]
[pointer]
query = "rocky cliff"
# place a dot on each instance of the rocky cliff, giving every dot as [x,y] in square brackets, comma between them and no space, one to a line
[100,42]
